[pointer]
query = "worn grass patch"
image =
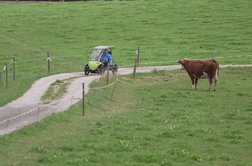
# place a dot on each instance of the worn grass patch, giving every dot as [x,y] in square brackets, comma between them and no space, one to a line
[56,90]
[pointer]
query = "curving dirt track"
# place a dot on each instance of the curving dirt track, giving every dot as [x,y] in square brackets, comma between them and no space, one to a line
[27,109]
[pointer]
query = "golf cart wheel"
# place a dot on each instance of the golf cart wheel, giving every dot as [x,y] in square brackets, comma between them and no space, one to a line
[114,69]
[86,70]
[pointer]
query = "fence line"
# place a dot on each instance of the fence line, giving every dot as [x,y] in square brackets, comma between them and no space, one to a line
[99,87]
[56,57]
[122,66]
[142,51]
[45,105]
[95,88]
[128,65]
[4,68]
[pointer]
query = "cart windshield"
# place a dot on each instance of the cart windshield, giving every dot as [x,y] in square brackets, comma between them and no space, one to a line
[95,55]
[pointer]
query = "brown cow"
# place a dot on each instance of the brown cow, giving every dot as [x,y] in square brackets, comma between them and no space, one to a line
[197,69]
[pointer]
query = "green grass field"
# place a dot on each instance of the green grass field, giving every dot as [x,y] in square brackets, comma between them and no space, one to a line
[155,119]
[166,31]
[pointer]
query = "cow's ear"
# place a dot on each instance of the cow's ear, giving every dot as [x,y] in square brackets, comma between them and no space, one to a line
[180,61]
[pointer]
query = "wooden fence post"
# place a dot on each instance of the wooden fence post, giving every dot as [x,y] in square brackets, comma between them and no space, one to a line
[6,75]
[134,72]
[14,69]
[83,98]
[212,55]
[108,73]
[48,62]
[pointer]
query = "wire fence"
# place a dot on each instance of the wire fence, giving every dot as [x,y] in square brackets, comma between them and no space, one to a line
[23,115]
[27,114]
[58,58]
[40,65]
[33,113]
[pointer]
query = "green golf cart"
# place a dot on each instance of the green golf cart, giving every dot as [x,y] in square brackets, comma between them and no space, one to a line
[96,65]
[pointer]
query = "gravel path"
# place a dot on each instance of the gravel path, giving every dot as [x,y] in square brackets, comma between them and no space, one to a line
[27,109]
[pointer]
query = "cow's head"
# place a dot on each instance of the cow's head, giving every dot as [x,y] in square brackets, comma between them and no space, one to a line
[182,61]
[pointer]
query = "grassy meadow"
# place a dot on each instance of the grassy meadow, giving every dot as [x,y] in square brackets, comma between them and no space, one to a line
[166,31]
[155,119]
[150,120]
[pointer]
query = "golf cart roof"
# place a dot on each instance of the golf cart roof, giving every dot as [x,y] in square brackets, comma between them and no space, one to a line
[103,47]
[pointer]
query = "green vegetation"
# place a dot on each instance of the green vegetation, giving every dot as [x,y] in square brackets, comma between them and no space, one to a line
[150,120]
[166,31]
[56,90]
[155,119]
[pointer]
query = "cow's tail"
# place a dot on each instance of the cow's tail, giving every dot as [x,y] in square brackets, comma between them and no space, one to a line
[216,68]
[216,73]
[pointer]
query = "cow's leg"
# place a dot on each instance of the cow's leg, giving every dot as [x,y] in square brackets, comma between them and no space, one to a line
[210,83]
[192,79]
[215,80]
[196,83]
